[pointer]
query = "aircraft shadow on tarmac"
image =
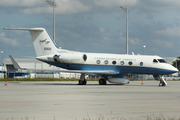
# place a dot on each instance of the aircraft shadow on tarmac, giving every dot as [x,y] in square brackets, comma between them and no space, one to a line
[68,83]
[90,84]
[75,84]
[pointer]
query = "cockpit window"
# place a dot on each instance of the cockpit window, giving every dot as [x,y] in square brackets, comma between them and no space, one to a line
[162,61]
[155,61]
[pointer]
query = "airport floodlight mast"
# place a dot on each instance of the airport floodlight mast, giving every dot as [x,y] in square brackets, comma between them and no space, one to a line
[2,60]
[125,8]
[144,48]
[53,4]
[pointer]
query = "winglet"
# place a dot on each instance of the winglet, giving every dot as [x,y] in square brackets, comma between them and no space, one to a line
[15,64]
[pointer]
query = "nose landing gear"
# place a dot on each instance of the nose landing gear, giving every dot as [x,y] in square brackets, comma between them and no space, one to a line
[161,79]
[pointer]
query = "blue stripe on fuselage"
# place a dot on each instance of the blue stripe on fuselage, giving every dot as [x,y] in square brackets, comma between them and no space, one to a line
[120,69]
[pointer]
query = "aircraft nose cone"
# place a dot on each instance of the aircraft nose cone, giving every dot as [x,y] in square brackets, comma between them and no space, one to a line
[175,69]
[172,69]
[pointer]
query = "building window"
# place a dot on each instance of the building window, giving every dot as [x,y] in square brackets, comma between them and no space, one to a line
[106,62]
[130,63]
[113,62]
[98,61]
[122,62]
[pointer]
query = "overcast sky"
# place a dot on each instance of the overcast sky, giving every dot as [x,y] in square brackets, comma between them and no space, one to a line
[93,26]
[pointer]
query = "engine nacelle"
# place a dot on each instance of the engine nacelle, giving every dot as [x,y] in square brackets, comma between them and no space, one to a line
[70,58]
[118,80]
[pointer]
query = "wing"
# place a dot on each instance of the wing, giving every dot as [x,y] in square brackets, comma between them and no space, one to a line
[103,72]
[98,72]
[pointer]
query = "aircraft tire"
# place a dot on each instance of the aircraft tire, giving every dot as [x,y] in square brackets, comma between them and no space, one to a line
[102,82]
[162,84]
[82,82]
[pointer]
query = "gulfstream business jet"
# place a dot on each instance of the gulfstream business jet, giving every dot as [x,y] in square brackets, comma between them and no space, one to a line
[112,67]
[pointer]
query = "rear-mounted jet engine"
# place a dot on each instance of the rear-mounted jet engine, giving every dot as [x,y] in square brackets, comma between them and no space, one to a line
[70,58]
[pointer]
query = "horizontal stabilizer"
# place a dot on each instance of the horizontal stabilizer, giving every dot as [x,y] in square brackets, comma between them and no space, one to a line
[15,64]
[25,29]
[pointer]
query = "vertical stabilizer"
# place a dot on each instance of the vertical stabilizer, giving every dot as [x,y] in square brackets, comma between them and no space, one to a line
[42,42]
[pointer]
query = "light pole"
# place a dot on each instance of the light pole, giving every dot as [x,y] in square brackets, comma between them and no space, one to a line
[176,63]
[52,3]
[144,48]
[125,8]
[2,60]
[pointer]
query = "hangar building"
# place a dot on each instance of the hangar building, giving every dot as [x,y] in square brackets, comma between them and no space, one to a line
[35,64]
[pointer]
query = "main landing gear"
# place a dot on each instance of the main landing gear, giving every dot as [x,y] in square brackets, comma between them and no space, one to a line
[102,81]
[82,80]
[161,79]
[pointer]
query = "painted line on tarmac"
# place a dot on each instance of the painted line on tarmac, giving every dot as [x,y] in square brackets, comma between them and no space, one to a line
[174,98]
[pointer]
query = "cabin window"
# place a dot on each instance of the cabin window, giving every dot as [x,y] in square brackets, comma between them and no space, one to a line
[113,62]
[155,61]
[141,63]
[162,61]
[130,63]
[98,61]
[122,62]
[84,57]
[106,62]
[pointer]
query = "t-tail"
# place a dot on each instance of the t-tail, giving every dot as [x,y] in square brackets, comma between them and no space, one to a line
[42,42]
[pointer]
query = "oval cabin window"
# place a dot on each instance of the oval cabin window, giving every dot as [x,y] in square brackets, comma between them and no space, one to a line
[106,62]
[122,62]
[130,63]
[84,57]
[141,63]
[98,61]
[113,62]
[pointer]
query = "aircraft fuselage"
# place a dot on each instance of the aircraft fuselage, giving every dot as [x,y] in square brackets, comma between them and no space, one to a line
[121,63]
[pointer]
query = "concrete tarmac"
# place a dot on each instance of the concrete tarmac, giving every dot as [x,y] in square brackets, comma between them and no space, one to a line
[69,101]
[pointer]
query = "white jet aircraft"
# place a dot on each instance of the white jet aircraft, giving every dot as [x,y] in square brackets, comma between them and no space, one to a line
[112,67]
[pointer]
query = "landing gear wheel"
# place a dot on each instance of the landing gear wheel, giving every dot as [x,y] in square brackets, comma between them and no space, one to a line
[102,82]
[162,84]
[161,80]
[82,82]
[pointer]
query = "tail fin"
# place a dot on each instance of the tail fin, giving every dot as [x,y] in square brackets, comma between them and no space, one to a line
[42,42]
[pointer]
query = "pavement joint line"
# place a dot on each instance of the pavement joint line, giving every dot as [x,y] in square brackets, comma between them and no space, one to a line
[92,100]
